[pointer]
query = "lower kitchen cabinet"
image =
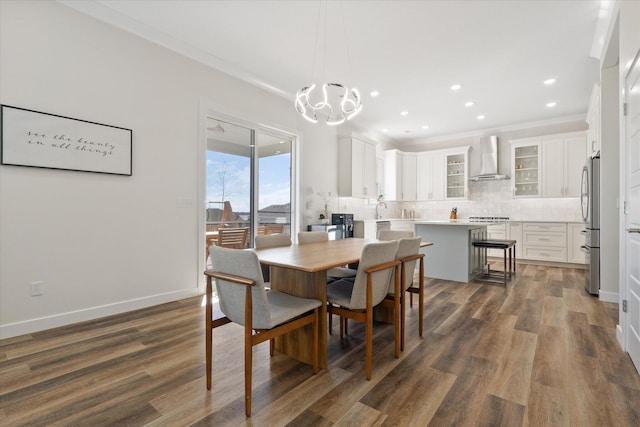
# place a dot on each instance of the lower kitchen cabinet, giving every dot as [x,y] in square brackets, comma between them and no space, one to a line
[575,241]
[544,241]
[515,233]
[498,231]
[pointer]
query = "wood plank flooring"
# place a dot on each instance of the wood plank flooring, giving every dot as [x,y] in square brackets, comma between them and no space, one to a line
[541,352]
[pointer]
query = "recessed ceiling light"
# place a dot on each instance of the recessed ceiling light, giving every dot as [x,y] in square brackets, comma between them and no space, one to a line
[281,142]
[385,130]
[549,81]
[456,86]
[374,93]
[481,117]
[404,113]
[551,104]
[468,104]
[425,127]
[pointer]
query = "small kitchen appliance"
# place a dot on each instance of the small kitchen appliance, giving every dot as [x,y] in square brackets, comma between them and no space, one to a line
[346,220]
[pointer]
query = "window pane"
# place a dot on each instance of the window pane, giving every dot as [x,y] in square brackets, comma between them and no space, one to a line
[274,183]
[228,175]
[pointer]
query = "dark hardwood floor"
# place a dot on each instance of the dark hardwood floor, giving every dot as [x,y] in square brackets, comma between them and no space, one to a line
[540,353]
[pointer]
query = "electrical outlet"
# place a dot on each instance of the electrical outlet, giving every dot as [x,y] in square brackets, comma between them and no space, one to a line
[36,289]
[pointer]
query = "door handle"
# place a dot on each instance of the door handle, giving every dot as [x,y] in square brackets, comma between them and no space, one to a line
[633,230]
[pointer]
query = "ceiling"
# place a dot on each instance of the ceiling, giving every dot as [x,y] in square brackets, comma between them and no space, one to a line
[412,52]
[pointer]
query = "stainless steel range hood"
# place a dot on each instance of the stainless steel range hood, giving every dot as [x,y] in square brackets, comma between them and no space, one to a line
[489,161]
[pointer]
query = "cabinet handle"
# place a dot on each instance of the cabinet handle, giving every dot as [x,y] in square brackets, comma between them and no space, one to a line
[633,230]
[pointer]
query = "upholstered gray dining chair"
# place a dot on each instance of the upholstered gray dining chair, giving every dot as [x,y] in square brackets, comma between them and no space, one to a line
[356,299]
[408,254]
[245,301]
[270,241]
[322,236]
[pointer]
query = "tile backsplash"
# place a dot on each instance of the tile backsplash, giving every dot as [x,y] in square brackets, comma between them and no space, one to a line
[492,198]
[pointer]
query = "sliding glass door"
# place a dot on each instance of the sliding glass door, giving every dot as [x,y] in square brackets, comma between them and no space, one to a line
[248,179]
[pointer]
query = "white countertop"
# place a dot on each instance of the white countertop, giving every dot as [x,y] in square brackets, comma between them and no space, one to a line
[457,222]
[462,221]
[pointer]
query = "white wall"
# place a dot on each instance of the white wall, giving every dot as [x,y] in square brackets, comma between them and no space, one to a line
[102,243]
[629,46]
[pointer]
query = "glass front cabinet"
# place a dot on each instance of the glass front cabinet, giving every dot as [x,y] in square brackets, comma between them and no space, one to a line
[525,167]
[456,161]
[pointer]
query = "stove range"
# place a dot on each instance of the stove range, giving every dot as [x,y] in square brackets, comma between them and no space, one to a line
[488,218]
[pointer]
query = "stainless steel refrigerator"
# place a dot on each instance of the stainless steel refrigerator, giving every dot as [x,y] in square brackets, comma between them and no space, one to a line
[590,204]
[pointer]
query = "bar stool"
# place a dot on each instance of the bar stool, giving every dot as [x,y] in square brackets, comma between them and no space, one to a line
[491,275]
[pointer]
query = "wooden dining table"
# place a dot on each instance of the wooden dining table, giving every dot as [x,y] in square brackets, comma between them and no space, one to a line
[301,270]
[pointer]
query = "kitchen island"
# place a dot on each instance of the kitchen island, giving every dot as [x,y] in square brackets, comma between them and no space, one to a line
[452,256]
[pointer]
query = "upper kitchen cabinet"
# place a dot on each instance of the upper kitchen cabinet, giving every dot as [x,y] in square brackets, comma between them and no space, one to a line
[400,180]
[593,120]
[525,167]
[457,165]
[430,174]
[563,157]
[356,168]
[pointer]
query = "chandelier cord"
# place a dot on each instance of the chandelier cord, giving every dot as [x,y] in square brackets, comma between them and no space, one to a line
[346,41]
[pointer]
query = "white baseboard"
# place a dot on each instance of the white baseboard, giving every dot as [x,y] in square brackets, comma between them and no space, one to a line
[63,319]
[609,296]
[620,337]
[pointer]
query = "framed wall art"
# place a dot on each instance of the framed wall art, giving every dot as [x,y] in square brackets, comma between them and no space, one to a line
[43,140]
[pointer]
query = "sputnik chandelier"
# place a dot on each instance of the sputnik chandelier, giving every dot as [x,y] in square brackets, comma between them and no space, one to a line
[333,100]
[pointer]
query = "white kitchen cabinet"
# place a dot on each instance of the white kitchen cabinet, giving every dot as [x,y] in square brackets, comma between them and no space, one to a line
[356,168]
[457,165]
[515,233]
[563,156]
[498,231]
[575,240]
[544,241]
[400,175]
[525,167]
[593,120]
[399,224]
[430,174]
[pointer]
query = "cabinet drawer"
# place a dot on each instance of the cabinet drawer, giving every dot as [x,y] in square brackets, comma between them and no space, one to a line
[545,239]
[546,254]
[541,226]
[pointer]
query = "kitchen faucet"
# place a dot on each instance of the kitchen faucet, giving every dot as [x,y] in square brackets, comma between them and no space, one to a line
[380,203]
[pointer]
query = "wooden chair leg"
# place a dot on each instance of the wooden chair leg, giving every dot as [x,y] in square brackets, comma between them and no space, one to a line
[369,342]
[346,326]
[421,297]
[330,319]
[208,331]
[403,302]
[248,361]
[396,310]
[315,340]
[272,342]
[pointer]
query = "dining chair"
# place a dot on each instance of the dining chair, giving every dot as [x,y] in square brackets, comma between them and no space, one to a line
[408,254]
[244,300]
[211,237]
[394,234]
[356,299]
[262,229]
[270,241]
[235,238]
[274,228]
[335,273]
